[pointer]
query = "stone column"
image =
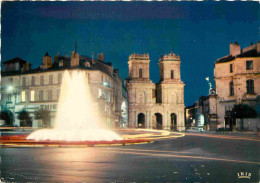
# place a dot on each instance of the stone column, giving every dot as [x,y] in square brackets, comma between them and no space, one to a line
[165,121]
[146,120]
[131,119]
[135,117]
[180,121]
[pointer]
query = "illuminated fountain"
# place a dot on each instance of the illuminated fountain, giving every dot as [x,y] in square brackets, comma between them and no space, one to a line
[77,117]
[78,122]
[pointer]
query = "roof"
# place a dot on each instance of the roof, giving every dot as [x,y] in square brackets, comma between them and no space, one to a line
[228,58]
[105,67]
[14,60]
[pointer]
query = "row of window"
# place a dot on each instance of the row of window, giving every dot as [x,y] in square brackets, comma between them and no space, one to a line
[249,87]
[249,66]
[105,80]
[30,95]
[41,80]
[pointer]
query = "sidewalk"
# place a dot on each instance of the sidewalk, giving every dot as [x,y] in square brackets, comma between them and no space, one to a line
[235,134]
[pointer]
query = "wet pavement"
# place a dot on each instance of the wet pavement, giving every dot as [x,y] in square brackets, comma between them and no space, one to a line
[186,159]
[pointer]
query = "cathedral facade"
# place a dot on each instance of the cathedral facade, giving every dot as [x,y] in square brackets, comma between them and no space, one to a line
[155,106]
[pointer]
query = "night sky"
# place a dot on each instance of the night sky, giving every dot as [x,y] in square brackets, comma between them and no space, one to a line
[200,32]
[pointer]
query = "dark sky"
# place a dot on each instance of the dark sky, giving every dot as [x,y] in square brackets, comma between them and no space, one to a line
[200,32]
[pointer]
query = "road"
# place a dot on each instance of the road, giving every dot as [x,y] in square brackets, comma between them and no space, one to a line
[191,158]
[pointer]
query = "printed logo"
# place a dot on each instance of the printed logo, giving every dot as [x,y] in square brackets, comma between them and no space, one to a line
[244,175]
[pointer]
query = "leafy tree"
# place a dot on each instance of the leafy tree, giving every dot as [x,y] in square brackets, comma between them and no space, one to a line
[43,114]
[7,116]
[25,118]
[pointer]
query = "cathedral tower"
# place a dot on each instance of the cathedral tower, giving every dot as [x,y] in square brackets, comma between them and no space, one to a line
[153,106]
[141,90]
[170,91]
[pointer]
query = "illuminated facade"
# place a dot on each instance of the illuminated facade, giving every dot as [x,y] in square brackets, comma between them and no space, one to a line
[203,113]
[237,79]
[155,106]
[32,89]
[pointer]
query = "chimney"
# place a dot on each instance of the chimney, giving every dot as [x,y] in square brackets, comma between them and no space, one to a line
[258,47]
[27,66]
[92,59]
[101,57]
[116,72]
[74,59]
[234,49]
[47,61]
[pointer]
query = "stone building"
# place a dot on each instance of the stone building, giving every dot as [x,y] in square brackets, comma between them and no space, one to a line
[155,106]
[237,79]
[32,89]
[203,113]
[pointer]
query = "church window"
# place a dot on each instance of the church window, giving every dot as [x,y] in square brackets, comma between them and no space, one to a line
[140,73]
[172,74]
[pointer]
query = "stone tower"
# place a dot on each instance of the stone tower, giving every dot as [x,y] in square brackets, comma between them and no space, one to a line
[47,61]
[170,90]
[170,87]
[158,106]
[140,89]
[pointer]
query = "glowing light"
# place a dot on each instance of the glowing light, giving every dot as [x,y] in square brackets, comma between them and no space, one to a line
[23,96]
[10,88]
[77,117]
[105,83]
[32,95]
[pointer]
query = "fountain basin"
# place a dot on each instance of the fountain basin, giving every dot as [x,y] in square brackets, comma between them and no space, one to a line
[21,140]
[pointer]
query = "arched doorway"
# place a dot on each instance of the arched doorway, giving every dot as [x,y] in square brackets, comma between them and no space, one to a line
[159,121]
[141,120]
[173,124]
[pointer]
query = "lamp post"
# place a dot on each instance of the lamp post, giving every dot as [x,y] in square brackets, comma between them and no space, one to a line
[210,85]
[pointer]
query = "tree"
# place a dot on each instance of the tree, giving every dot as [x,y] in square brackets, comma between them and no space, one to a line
[7,116]
[242,111]
[43,114]
[25,118]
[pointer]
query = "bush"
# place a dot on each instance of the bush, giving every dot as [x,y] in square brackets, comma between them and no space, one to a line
[7,116]
[25,119]
[43,114]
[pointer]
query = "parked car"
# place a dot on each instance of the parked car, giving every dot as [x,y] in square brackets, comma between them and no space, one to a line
[195,129]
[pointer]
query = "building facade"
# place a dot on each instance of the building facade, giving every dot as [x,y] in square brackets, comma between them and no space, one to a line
[203,113]
[155,106]
[29,89]
[237,79]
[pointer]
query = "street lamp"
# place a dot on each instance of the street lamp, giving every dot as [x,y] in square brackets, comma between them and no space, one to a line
[10,88]
[210,85]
